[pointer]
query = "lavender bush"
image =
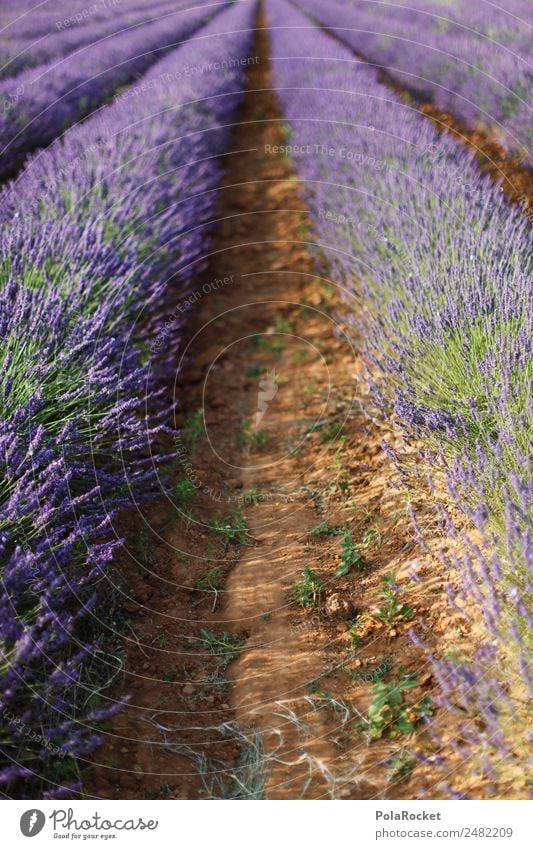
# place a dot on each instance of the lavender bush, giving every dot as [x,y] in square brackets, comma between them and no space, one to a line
[28,20]
[436,267]
[19,54]
[44,101]
[86,253]
[470,58]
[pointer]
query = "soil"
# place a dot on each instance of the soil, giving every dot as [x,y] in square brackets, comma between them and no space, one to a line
[236,690]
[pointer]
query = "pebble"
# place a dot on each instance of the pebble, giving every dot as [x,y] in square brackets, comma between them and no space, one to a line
[188,690]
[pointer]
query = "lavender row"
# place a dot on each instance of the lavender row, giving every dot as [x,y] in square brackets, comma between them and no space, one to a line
[31,20]
[473,62]
[99,239]
[19,54]
[41,103]
[436,274]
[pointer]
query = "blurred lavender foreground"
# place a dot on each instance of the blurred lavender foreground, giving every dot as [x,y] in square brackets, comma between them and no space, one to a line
[470,57]
[48,99]
[437,274]
[89,255]
[61,34]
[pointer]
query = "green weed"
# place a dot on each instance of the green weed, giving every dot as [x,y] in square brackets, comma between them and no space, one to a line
[351,557]
[306,593]
[326,530]
[193,429]
[392,608]
[226,646]
[232,528]
[389,713]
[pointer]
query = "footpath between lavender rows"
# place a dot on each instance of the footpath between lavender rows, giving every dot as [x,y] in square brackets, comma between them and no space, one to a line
[267,650]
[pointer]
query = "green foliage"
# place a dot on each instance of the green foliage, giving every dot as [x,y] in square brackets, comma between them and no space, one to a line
[225,645]
[212,582]
[392,608]
[353,634]
[403,765]
[389,713]
[283,326]
[184,491]
[372,539]
[306,593]
[232,528]
[255,371]
[253,496]
[193,429]
[351,557]
[326,530]
[144,546]
[266,343]
[333,431]
[251,438]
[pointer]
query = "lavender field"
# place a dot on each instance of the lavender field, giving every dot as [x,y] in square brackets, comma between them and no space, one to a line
[266,325]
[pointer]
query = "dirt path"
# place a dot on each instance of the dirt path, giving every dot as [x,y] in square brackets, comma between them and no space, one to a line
[236,689]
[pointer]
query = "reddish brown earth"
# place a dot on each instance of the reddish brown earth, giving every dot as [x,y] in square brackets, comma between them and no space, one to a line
[275,706]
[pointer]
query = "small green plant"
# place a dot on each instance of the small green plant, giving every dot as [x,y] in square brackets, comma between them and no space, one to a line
[333,431]
[212,582]
[326,530]
[251,438]
[389,713]
[183,492]
[306,593]
[283,326]
[253,496]
[372,539]
[255,371]
[193,429]
[354,635]
[143,547]
[232,528]
[403,765]
[226,646]
[392,608]
[266,343]
[351,557]
[299,355]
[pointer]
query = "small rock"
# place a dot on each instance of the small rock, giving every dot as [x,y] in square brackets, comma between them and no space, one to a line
[188,690]
[338,607]
[225,706]
[124,750]
[146,665]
